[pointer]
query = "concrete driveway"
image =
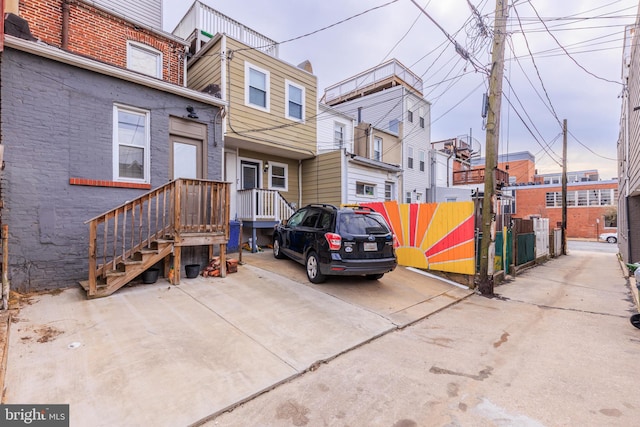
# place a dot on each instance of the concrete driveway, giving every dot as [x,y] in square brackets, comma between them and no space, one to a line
[402,296]
[178,355]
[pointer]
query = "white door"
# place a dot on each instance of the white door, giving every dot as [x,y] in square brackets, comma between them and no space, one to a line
[186,156]
[250,177]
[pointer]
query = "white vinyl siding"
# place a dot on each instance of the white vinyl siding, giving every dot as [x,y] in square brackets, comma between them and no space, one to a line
[148,12]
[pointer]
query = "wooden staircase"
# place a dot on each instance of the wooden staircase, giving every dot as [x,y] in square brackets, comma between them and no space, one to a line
[128,240]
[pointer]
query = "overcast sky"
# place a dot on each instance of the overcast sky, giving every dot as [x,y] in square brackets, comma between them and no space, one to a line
[574,55]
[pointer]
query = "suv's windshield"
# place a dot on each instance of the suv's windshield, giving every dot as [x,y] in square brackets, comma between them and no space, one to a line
[370,223]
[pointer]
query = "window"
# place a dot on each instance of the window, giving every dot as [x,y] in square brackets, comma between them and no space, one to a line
[278,176]
[582,198]
[377,149]
[394,126]
[365,189]
[611,220]
[418,197]
[421,114]
[551,199]
[410,157]
[605,197]
[422,122]
[144,59]
[130,144]
[421,161]
[407,197]
[388,191]
[256,87]
[295,101]
[338,134]
[594,197]
[410,116]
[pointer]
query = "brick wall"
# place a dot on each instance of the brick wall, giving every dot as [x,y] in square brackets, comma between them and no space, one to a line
[98,35]
[522,170]
[57,125]
[581,220]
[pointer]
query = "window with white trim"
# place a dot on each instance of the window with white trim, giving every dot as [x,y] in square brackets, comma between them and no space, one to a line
[421,115]
[295,101]
[410,157]
[144,59]
[256,83]
[338,134]
[363,189]
[131,140]
[377,149]
[389,193]
[421,161]
[278,173]
[407,196]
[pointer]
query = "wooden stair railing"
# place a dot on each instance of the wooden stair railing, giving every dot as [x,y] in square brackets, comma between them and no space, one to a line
[129,239]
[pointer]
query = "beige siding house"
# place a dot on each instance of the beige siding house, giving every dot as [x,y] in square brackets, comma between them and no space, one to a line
[270,123]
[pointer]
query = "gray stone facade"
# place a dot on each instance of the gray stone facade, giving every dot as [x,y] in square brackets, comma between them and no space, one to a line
[57,124]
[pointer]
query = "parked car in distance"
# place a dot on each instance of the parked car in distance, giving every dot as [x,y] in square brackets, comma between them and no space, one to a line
[336,241]
[609,237]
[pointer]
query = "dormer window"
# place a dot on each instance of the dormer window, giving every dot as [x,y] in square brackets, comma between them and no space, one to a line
[144,59]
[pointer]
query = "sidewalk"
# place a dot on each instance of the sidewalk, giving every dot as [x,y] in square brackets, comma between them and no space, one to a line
[175,355]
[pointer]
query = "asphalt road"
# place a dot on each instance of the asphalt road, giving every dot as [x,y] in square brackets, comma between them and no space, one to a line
[592,246]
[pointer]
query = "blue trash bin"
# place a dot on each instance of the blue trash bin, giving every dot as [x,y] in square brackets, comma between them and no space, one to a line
[233,245]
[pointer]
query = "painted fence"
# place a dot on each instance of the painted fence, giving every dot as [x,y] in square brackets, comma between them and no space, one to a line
[434,236]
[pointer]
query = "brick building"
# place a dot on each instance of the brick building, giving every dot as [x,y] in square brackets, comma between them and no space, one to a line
[591,205]
[89,122]
[111,32]
[520,166]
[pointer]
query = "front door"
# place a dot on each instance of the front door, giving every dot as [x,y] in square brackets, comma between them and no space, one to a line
[250,176]
[187,162]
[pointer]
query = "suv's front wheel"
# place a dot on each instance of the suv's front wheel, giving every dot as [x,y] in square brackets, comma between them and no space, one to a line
[313,269]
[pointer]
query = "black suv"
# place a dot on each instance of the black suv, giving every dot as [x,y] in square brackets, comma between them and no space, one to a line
[332,241]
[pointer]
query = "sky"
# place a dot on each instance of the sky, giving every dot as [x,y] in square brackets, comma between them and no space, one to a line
[563,60]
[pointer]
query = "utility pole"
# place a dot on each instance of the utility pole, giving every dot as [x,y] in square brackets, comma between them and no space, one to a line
[564,187]
[487,249]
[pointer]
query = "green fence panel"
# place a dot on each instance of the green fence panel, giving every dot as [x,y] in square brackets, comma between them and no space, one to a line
[526,248]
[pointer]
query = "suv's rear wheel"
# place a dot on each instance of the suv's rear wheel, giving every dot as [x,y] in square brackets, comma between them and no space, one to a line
[313,269]
[374,276]
[277,248]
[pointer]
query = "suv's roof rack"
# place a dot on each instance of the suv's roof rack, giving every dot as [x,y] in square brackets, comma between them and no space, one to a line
[323,205]
[357,206]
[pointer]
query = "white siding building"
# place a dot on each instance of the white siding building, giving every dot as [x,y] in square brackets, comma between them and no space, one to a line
[389,97]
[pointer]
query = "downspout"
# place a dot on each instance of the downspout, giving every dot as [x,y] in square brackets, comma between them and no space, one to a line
[65,24]
[184,67]
[300,183]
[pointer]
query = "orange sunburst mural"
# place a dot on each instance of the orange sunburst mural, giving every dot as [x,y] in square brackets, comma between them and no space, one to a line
[435,236]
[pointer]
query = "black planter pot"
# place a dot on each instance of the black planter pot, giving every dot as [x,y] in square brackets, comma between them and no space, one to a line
[192,270]
[150,276]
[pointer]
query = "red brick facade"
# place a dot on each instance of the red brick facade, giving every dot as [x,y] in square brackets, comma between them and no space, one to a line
[582,221]
[522,170]
[99,35]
